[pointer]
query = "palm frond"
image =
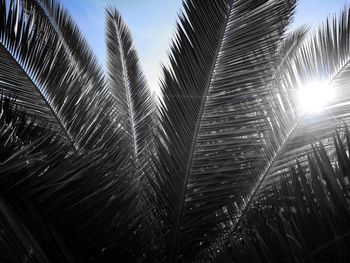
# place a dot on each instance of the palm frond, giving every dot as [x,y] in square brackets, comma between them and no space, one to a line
[18,30]
[46,81]
[287,49]
[212,118]
[281,101]
[305,219]
[325,58]
[79,54]
[128,86]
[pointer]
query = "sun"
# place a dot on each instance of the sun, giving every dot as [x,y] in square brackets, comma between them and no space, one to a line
[314,96]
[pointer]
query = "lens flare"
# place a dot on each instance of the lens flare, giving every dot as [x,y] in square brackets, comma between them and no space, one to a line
[314,96]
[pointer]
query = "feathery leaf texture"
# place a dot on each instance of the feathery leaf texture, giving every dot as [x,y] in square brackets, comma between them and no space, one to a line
[70,98]
[305,219]
[127,85]
[212,115]
[324,57]
[229,130]
[79,54]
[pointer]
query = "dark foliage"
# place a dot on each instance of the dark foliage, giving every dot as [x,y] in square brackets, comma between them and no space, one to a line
[305,219]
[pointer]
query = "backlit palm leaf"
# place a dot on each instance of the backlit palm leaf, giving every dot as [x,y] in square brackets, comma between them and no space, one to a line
[128,86]
[324,57]
[213,116]
[305,219]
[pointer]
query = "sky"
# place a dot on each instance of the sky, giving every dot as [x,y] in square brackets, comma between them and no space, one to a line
[152,24]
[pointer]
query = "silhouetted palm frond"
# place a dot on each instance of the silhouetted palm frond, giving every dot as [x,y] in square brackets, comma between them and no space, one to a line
[213,115]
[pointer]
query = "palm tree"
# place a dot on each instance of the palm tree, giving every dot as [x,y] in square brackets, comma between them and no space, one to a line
[90,172]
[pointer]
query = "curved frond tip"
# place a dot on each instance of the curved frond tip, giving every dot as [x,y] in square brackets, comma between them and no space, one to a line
[127,85]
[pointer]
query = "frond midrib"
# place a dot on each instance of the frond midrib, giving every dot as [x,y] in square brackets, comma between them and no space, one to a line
[57,118]
[195,134]
[126,83]
[267,170]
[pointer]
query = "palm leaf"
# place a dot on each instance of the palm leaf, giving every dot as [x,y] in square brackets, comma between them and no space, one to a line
[305,219]
[48,84]
[79,54]
[324,57]
[212,117]
[128,86]
[13,75]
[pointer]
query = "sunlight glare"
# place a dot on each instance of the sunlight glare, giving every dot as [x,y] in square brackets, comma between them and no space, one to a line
[314,96]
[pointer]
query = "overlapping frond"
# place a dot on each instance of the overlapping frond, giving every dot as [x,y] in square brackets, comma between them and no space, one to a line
[78,52]
[305,219]
[60,206]
[37,66]
[19,66]
[127,85]
[213,114]
[324,57]
[229,125]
